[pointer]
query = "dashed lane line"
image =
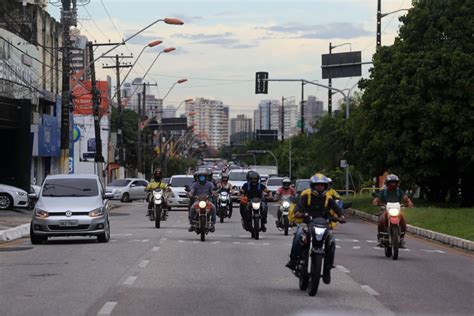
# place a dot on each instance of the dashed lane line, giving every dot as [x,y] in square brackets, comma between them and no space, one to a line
[130,280]
[144,263]
[155,249]
[107,308]
[369,290]
[343,269]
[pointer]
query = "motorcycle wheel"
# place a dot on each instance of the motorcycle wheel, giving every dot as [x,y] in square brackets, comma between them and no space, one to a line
[157,216]
[315,274]
[221,215]
[286,224]
[152,215]
[256,227]
[304,277]
[388,251]
[203,225]
[395,242]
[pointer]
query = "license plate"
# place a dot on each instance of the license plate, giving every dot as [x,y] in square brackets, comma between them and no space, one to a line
[69,223]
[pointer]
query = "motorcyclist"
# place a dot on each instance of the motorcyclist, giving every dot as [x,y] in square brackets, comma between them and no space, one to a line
[200,188]
[254,189]
[316,203]
[391,193]
[154,184]
[224,184]
[285,191]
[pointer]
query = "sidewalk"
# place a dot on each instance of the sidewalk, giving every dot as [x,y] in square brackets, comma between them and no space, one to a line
[15,224]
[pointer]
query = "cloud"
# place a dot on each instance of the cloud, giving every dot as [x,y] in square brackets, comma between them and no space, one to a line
[226,40]
[322,31]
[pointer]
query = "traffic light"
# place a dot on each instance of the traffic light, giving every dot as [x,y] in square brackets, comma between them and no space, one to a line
[261,83]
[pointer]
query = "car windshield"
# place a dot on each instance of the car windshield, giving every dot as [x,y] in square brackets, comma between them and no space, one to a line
[274,181]
[119,183]
[70,187]
[302,185]
[181,181]
[238,176]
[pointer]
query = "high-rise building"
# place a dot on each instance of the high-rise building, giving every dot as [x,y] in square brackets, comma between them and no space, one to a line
[210,120]
[313,112]
[290,118]
[169,111]
[240,129]
[267,116]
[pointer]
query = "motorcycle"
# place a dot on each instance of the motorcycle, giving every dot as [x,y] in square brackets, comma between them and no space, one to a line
[254,209]
[317,253]
[391,237]
[202,223]
[283,223]
[223,205]
[157,214]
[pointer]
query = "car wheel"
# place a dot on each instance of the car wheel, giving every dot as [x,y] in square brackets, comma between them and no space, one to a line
[125,197]
[106,235]
[36,239]
[6,201]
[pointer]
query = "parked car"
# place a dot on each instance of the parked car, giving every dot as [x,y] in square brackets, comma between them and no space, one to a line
[274,183]
[128,189]
[11,197]
[301,185]
[178,197]
[71,205]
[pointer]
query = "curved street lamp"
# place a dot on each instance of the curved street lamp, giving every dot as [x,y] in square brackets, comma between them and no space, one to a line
[171,88]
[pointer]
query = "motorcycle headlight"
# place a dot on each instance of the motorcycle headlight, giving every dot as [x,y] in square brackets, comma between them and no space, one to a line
[256,206]
[393,211]
[41,213]
[286,204]
[224,197]
[97,212]
[202,204]
[158,195]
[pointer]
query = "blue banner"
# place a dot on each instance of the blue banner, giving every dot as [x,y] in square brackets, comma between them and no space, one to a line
[48,137]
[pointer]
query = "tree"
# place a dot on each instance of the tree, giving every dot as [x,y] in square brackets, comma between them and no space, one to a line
[417,112]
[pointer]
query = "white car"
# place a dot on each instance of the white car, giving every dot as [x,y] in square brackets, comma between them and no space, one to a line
[237,177]
[11,197]
[178,197]
[128,189]
[274,183]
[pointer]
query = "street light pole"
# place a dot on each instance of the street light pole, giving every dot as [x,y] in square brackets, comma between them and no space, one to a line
[380,15]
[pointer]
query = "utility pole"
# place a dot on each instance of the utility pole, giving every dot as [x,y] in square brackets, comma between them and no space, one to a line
[282,119]
[379,23]
[68,18]
[330,85]
[117,67]
[302,107]
[141,116]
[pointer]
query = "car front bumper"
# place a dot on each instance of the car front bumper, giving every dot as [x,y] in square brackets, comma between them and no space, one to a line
[86,226]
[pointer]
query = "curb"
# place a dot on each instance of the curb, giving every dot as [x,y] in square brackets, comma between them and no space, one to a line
[443,238]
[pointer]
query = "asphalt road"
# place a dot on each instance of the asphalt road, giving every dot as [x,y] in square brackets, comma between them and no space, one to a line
[144,270]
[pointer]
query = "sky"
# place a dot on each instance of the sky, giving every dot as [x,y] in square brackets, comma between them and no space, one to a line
[223,43]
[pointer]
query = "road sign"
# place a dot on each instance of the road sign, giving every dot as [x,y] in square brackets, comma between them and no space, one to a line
[261,83]
[341,65]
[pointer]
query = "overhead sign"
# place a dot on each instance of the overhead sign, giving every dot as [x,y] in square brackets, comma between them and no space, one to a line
[266,134]
[174,124]
[341,65]
[261,82]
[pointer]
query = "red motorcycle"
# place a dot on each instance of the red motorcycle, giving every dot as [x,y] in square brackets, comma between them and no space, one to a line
[390,239]
[202,223]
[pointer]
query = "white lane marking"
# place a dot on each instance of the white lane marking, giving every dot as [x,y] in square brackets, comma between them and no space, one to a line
[372,241]
[356,247]
[378,248]
[266,244]
[243,236]
[215,242]
[135,240]
[432,250]
[236,242]
[404,249]
[343,269]
[196,242]
[144,263]
[107,308]
[117,235]
[347,240]
[180,240]
[113,240]
[155,249]
[145,240]
[369,290]
[338,247]
[130,280]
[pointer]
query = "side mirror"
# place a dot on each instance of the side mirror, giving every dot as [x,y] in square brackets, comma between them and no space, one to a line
[186,188]
[33,196]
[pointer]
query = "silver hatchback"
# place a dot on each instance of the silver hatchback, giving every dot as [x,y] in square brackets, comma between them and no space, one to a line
[70,205]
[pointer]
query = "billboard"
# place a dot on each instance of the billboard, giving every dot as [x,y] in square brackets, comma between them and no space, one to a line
[341,65]
[82,97]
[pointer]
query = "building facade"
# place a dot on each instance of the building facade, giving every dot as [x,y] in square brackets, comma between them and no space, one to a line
[241,129]
[210,121]
[313,112]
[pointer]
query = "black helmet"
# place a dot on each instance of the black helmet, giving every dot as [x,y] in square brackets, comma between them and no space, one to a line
[253,176]
[225,177]
[286,183]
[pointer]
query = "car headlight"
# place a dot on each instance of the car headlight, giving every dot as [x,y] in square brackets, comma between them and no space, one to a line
[286,204]
[20,193]
[118,191]
[202,204]
[256,206]
[393,211]
[41,213]
[97,212]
